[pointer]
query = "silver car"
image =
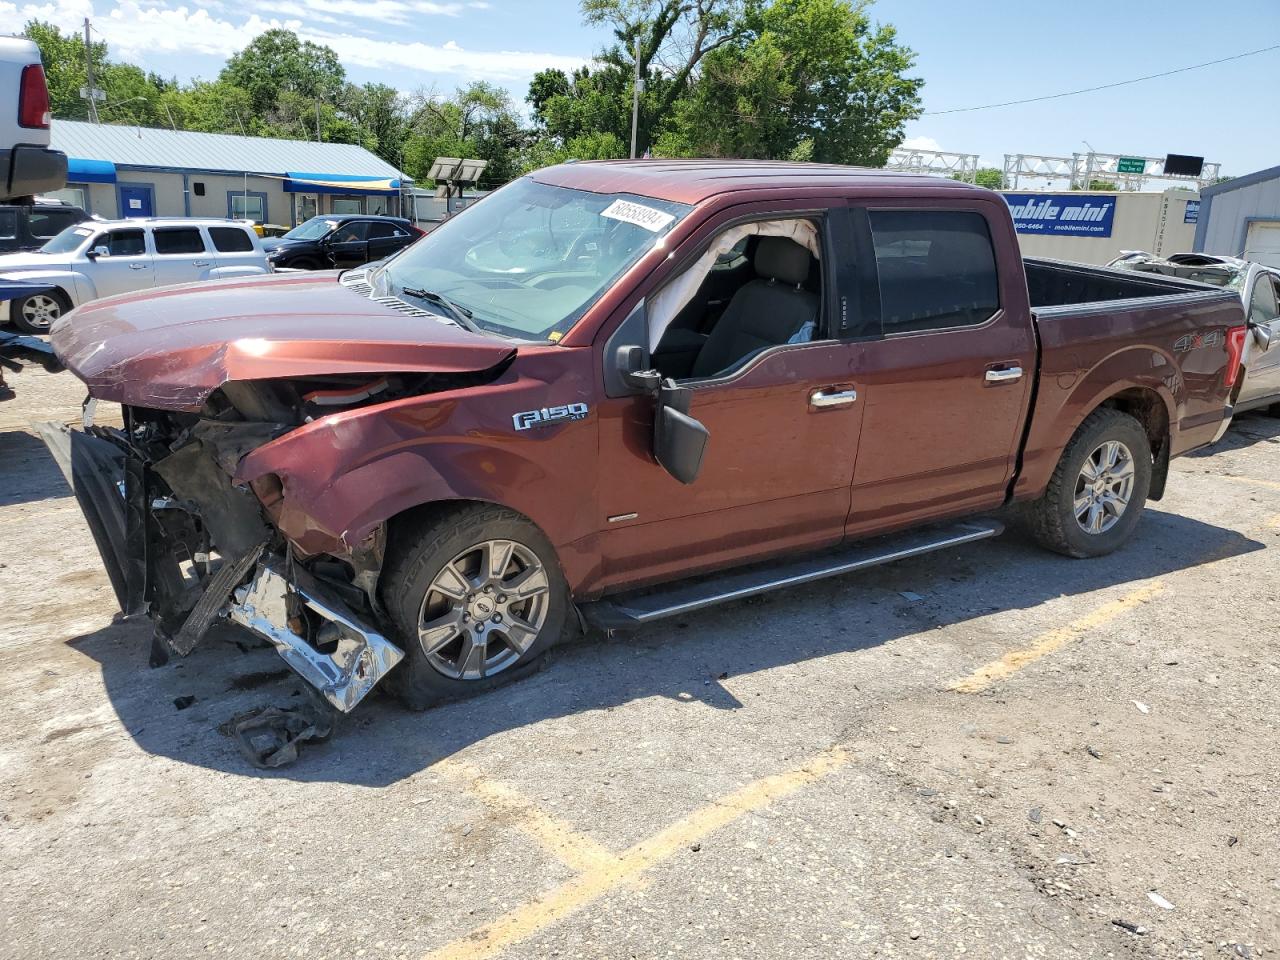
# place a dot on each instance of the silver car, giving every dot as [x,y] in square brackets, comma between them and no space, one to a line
[100,258]
[1259,289]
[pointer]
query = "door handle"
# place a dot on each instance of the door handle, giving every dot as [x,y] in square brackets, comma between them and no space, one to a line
[1006,375]
[199,263]
[137,266]
[823,399]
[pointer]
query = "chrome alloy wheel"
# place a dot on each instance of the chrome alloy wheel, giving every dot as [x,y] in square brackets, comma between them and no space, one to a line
[40,310]
[1104,487]
[484,609]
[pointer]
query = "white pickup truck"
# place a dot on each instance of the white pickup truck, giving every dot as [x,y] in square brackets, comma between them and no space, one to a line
[27,165]
[101,258]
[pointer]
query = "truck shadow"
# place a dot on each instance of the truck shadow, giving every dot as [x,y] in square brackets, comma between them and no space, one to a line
[29,472]
[1246,430]
[381,743]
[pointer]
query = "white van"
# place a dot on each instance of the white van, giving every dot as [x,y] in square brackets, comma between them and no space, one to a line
[101,258]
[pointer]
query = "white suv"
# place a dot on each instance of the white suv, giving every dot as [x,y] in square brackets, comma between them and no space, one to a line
[101,258]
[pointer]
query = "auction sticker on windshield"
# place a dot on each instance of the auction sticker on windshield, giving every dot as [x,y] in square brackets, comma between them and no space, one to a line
[638,214]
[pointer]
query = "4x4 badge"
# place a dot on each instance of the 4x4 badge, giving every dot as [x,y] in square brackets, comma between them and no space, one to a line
[527,419]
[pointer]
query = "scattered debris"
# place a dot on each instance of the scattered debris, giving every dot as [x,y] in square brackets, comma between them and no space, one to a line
[1004,740]
[1131,927]
[1060,824]
[910,595]
[1093,752]
[1159,901]
[1142,707]
[181,703]
[1232,841]
[1034,814]
[979,821]
[269,737]
[260,678]
[696,847]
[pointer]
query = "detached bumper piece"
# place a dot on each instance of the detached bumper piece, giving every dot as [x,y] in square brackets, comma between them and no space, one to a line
[315,633]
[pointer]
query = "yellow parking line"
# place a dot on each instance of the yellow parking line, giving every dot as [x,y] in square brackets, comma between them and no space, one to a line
[524,922]
[575,850]
[1055,639]
[1252,481]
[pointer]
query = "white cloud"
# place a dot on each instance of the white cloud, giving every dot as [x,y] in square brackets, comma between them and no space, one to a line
[921,143]
[135,28]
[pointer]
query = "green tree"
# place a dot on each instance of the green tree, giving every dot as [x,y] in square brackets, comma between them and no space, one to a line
[277,62]
[806,71]
[990,177]
[478,122]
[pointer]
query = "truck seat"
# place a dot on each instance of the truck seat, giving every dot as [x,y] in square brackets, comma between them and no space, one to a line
[765,312]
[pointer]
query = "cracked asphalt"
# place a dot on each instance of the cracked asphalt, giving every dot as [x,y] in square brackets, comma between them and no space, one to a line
[1038,758]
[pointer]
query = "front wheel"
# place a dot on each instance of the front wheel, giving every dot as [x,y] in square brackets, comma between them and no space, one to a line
[36,313]
[1098,490]
[477,597]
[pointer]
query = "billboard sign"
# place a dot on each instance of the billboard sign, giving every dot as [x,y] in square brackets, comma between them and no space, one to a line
[1192,214]
[1062,214]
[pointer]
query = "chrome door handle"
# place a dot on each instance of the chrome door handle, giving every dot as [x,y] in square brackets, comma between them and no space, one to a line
[137,266]
[200,263]
[1007,375]
[834,398]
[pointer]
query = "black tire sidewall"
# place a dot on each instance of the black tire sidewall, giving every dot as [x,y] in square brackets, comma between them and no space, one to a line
[412,566]
[15,311]
[1129,432]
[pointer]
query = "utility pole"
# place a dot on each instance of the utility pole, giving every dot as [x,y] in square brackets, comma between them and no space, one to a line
[635,101]
[317,121]
[91,92]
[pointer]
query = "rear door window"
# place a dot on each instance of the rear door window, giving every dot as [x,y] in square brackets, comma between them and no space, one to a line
[230,240]
[8,224]
[380,231]
[179,240]
[936,269]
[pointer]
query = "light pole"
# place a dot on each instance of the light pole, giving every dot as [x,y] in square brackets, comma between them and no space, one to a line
[635,101]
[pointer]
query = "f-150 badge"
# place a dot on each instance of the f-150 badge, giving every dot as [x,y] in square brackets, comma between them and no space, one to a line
[548,415]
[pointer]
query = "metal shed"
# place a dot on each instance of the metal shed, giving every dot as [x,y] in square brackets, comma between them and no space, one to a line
[1241,218]
[122,171]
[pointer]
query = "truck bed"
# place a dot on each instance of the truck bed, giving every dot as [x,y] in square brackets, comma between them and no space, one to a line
[1057,286]
[1096,327]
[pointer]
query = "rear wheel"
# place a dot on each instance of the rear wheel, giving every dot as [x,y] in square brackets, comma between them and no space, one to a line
[477,597]
[1098,490]
[36,313]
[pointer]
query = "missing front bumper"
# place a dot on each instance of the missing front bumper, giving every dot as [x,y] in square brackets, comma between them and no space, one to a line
[347,660]
[316,633]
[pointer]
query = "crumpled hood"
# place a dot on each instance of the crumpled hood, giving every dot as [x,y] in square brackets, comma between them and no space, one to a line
[170,348]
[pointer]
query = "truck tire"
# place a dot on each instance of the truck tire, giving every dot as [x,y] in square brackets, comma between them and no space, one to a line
[1096,494]
[477,598]
[36,313]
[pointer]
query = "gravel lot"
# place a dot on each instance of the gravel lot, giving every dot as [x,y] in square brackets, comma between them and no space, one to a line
[1034,752]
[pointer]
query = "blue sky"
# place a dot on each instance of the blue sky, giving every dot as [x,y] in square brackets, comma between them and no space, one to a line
[969,54]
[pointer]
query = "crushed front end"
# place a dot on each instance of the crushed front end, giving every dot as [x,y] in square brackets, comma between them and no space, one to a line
[185,544]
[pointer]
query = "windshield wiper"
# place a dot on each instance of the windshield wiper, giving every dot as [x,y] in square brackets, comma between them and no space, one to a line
[456,310]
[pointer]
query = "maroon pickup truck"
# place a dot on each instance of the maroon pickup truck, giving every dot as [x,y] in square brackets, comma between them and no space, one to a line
[612,392]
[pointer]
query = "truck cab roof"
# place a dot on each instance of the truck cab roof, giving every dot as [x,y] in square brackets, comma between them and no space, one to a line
[694,181]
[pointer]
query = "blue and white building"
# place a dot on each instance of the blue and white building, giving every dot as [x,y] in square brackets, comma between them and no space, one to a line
[1241,218]
[128,171]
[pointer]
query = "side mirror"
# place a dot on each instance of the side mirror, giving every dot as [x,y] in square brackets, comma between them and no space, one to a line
[679,441]
[632,363]
[1262,336]
[99,251]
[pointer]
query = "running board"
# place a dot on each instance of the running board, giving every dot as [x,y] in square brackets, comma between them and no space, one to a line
[636,609]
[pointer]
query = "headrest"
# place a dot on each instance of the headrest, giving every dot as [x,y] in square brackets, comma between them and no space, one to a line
[781,259]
